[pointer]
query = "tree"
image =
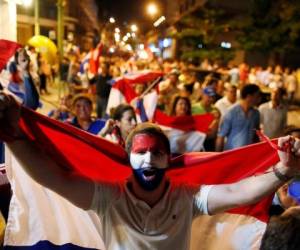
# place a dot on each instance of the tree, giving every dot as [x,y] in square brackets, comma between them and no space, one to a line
[197,35]
[271,27]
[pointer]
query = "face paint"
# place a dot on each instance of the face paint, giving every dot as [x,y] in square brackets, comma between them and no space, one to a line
[149,160]
[149,179]
[147,151]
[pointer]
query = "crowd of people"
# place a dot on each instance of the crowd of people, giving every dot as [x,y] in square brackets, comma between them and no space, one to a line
[241,99]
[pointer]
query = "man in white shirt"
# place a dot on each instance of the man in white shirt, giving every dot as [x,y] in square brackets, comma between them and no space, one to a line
[227,100]
[273,114]
[147,211]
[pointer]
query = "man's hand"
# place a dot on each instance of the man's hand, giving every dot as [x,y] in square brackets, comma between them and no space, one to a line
[289,155]
[9,116]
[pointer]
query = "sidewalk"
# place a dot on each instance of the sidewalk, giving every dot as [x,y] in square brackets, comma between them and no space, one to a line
[49,101]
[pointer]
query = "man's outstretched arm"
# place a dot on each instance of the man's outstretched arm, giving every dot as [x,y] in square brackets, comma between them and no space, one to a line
[38,165]
[77,189]
[253,189]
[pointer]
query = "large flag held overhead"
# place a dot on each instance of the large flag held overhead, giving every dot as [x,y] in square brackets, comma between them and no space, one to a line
[123,91]
[101,160]
[186,133]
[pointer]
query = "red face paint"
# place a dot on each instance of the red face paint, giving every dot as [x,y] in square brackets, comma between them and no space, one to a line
[143,143]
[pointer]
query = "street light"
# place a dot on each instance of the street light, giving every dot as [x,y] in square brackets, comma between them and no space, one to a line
[27,3]
[117,30]
[159,21]
[134,28]
[152,9]
[112,20]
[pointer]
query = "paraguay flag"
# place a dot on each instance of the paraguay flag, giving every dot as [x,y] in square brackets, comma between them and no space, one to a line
[186,133]
[40,219]
[123,90]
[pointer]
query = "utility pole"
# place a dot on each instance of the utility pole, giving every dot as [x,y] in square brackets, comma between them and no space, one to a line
[36,18]
[60,38]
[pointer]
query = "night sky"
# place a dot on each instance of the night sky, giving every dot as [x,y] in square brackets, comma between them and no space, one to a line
[127,12]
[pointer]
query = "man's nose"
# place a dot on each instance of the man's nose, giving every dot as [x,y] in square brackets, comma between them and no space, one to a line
[149,157]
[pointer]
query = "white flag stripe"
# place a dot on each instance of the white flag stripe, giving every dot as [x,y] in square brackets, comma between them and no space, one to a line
[184,141]
[36,213]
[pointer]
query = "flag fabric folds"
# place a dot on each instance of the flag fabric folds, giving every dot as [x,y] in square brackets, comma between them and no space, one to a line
[123,91]
[186,133]
[7,50]
[101,160]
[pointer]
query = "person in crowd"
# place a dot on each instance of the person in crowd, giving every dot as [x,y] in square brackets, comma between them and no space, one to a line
[63,112]
[206,105]
[234,74]
[147,203]
[103,88]
[181,106]
[252,78]
[21,85]
[239,124]
[167,89]
[277,80]
[266,77]
[227,100]
[273,114]
[44,71]
[122,123]
[282,232]
[82,108]
[290,83]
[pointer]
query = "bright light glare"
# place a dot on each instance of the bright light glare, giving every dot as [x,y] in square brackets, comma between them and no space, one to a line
[159,21]
[117,37]
[226,45]
[128,47]
[143,54]
[134,28]
[112,20]
[152,9]
[117,30]
[27,3]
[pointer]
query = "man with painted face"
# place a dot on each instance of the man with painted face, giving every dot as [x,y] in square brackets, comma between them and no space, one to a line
[147,211]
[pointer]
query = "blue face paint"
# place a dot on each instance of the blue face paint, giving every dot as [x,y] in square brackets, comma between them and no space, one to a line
[150,178]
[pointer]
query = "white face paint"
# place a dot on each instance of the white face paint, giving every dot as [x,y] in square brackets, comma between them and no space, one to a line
[149,159]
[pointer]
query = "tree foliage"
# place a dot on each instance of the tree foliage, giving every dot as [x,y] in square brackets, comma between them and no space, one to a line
[197,35]
[267,26]
[271,25]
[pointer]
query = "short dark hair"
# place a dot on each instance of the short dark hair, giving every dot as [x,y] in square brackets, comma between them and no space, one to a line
[282,233]
[118,112]
[249,89]
[148,129]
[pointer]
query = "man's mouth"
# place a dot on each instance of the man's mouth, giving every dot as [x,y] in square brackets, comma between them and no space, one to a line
[149,174]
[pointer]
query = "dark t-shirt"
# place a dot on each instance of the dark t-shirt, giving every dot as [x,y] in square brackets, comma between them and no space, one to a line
[103,86]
